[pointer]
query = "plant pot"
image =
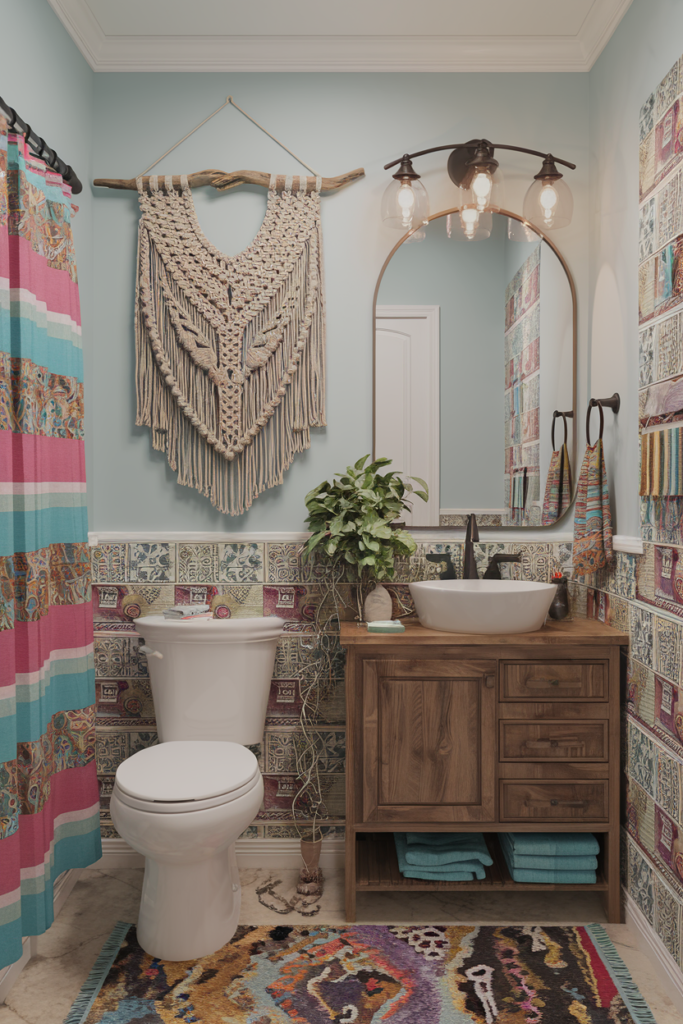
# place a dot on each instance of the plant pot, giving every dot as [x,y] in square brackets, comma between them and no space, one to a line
[378,604]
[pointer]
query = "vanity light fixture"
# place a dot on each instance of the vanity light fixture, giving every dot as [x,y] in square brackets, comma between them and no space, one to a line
[405,203]
[473,167]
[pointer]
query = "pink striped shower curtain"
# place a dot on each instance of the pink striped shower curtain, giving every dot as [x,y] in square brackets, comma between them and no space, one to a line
[49,814]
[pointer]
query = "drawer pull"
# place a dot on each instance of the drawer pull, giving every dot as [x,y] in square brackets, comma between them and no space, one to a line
[567,741]
[556,803]
[489,682]
[544,684]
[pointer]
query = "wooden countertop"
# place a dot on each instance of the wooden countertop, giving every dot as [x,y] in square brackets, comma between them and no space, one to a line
[586,632]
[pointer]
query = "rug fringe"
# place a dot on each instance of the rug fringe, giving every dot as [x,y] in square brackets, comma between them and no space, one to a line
[100,969]
[628,990]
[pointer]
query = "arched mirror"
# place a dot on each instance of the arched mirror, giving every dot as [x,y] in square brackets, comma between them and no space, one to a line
[475,371]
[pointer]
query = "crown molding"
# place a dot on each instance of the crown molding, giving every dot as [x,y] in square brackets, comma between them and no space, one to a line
[357,53]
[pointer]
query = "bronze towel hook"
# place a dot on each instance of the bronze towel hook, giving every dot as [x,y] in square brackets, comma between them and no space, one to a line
[612,403]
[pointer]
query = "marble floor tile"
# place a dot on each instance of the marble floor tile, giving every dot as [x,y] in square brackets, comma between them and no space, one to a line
[65,954]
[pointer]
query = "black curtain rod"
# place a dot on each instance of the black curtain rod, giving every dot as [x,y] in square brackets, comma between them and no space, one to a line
[40,147]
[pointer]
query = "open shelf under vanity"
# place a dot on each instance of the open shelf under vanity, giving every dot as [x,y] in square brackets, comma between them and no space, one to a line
[377,871]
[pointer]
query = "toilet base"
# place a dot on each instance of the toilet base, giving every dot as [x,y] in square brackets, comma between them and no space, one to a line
[188,911]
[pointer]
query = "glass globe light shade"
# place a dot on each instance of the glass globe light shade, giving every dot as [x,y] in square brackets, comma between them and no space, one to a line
[405,204]
[471,223]
[486,188]
[549,203]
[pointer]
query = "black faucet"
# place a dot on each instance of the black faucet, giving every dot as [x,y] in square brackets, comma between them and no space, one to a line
[445,557]
[469,565]
[493,569]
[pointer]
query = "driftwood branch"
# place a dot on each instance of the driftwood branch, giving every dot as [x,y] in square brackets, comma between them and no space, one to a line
[223,180]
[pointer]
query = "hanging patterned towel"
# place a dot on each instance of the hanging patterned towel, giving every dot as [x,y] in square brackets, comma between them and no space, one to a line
[558,487]
[661,463]
[592,515]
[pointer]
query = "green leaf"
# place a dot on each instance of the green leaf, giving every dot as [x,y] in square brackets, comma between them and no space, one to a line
[360,463]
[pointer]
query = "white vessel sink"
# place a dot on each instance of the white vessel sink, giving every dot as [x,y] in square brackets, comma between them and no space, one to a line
[482,606]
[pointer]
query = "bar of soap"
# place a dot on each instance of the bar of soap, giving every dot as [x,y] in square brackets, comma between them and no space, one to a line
[386,626]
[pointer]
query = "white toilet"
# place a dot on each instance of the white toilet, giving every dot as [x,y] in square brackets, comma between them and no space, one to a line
[183,804]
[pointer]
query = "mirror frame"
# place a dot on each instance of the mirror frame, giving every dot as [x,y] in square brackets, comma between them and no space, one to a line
[572,288]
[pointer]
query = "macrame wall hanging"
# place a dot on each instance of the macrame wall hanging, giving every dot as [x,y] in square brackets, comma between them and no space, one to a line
[230,350]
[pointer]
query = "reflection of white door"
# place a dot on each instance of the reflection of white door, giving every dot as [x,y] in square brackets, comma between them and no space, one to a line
[407,399]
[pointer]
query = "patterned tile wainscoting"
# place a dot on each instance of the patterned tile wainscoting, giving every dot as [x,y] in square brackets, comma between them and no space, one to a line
[627,595]
[249,579]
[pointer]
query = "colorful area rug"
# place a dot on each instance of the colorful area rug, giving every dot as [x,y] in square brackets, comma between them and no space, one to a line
[366,974]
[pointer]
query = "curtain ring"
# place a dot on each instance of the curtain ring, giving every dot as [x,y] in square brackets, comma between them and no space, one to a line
[591,405]
[552,432]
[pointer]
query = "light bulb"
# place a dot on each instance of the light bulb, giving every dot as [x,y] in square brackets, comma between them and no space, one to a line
[406,201]
[469,218]
[482,186]
[548,201]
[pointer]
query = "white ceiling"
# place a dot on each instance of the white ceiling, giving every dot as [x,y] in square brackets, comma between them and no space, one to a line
[326,35]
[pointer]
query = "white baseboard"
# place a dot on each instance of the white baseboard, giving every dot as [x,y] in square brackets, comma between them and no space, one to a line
[9,975]
[668,972]
[251,853]
[632,545]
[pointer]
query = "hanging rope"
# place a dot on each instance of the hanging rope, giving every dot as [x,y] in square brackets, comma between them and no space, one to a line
[229,102]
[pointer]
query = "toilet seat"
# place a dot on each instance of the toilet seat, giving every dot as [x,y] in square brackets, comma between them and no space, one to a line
[183,776]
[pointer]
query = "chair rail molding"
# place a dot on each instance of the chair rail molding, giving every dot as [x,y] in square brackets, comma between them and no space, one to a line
[215,52]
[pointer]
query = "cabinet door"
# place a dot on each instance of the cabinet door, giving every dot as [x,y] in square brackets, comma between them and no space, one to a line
[429,740]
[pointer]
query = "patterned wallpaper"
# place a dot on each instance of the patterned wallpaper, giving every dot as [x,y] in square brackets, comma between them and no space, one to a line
[248,579]
[649,589]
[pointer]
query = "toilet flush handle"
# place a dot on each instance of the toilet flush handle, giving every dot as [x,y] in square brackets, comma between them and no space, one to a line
[149,652]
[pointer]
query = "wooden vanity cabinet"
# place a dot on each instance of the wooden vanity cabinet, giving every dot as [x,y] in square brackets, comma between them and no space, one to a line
[488,733]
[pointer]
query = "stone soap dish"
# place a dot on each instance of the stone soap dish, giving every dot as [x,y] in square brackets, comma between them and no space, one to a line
[386,626]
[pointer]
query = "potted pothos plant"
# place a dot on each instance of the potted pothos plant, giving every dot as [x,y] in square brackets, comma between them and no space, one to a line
[353,519]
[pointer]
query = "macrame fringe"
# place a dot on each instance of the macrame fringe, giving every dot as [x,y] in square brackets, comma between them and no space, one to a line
[100,969]
[230,357]
[628,990]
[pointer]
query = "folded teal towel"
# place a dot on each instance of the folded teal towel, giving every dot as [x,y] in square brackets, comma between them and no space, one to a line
[557,863]
[548,877]
[466,847]
[551,844]
[462,872]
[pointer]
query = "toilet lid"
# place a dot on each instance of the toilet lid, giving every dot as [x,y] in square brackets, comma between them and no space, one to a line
[183,770]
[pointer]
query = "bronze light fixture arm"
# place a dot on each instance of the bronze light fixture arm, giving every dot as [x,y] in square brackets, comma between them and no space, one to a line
[472,144]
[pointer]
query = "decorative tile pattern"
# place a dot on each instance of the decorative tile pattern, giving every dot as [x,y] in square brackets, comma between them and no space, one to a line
[151,563]
[280,750]
[668,648]
[108,562]
[197,563]
[668,774]
[641,759]
[668,918]
[642,636]
[640,882]
[119,657]
[240,563]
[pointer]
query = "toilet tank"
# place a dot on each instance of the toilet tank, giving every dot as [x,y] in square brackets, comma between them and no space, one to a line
[210,677]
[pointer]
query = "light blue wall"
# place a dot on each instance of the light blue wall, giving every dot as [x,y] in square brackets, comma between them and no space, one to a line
[467,281]
[335,122]
[641,51]
[47,81]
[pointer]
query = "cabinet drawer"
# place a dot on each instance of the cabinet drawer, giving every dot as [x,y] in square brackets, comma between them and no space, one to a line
[544,680]
[554,801]
[553,741]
